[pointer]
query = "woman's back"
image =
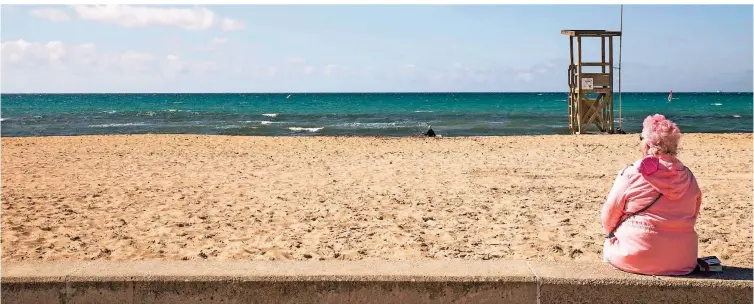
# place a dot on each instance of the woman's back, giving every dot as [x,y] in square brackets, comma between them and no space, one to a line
[660,240]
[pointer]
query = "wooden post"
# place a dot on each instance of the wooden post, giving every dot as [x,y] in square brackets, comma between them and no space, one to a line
[604,124]
[579,97]
[571,105]
[612,112]
[603,53]
[571,49]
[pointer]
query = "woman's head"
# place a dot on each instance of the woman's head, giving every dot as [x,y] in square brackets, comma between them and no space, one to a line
[660,136]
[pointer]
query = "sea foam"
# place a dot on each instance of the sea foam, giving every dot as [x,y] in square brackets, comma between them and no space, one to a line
[299,129]
[118,125]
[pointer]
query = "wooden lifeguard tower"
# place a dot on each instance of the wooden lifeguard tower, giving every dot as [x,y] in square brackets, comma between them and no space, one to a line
[590,95]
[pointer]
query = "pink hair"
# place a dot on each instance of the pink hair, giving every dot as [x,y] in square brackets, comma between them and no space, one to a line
[661,135]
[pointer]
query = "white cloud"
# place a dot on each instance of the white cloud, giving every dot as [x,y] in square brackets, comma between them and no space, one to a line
[308,69]
[57,66]
[194,19]
[52,14]
[134,16]
[219,41]
[231,25]
[21,56]
[55,51]
[23,53]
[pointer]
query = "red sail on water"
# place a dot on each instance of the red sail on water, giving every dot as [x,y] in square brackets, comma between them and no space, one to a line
[670,96]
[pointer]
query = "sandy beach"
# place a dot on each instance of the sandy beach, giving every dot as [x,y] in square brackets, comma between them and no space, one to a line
[176,197]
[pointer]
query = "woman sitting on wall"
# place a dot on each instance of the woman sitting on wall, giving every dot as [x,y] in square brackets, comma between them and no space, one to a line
[650,212]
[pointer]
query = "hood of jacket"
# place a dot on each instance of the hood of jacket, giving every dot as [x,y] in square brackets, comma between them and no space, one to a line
[666,174]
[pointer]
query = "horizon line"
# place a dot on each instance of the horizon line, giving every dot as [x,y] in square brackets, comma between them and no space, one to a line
[354,92]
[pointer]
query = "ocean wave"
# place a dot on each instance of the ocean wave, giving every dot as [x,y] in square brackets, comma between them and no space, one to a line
[424,111]
[717,104]
[270,114]
[265,122]
[226,127]
[736,116]
[300,129]
[381,125]
[161,112]
[3,119]
[368,125]
[110,112]
[112,125]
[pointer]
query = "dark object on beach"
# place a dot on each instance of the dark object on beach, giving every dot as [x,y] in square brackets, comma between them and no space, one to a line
[429,133]
[707,266]
[619,131]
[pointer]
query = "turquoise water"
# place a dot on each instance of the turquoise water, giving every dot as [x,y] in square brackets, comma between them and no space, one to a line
[364,114]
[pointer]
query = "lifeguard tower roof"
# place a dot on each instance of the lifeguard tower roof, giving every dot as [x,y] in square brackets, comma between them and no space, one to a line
[590,33]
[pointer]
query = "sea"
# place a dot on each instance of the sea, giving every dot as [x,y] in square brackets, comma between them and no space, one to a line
[352,114]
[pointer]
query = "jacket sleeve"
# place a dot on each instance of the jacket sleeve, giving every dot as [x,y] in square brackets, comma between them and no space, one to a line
[612,210]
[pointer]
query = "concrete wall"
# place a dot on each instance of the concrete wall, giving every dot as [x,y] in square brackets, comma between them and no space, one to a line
[358,282]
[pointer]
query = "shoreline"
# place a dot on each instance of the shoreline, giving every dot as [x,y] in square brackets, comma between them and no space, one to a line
[228,197]
[362,136]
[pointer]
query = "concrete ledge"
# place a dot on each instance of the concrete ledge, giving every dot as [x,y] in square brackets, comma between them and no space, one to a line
[359,282]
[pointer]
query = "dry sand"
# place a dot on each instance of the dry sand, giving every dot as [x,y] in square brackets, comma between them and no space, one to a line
[258,198]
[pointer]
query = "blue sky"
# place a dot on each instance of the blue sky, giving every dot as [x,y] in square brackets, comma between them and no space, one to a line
[363,48]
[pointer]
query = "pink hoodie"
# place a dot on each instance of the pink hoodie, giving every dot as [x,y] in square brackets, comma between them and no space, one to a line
[661,240]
